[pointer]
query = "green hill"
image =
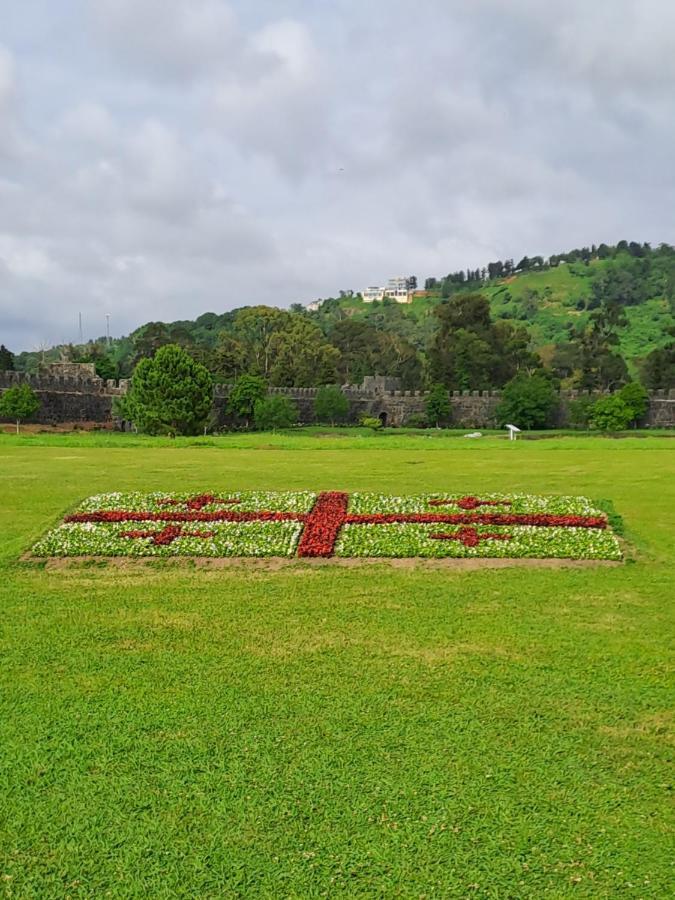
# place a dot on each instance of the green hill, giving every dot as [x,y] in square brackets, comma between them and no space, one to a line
[557,300]
[554,301]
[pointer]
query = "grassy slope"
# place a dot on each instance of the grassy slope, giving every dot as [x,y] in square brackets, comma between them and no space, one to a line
[559,290]
[366,732]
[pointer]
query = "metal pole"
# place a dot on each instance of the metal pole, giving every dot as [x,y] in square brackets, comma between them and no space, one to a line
[107,328]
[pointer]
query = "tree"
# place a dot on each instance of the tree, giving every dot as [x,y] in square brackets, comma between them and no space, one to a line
[274,411]
[658,371]
[438,406]
[528,401]
[229,358]
[255,327]
[611,414]
[6,359]
[600,367]
[106,368]
[170,393]
[636,399]
[19,403]
[148,340]
[300,356]
[246,391]
[471,352]
[330,405]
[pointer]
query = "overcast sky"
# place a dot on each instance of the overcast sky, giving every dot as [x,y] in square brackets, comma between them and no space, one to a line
[163,158]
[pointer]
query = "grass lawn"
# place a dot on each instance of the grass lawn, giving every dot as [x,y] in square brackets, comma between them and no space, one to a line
[376,732]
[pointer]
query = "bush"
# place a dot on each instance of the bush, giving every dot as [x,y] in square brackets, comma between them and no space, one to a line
[19,403]
[611,414]
[528,401]
[417,420]
[169,394]
[371,422]
[274,412]
[636,399]
[330,405]
[246,392]
[438,406]
[580,411]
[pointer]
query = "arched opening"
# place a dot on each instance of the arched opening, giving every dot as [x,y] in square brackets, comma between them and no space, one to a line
[383,418]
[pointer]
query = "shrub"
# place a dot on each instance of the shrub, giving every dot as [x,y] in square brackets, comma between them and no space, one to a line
[417,420]
[275,411]
[169,394]
[528,401]
[636,399]
[246,392]
[580,411]
[611,414]
[331,405]
[438,406]
[371,422]
[19,403]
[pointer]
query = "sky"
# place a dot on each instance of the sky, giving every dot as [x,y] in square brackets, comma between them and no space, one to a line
[164,158]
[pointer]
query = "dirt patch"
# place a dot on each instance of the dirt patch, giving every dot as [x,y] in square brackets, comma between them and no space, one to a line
[275,563]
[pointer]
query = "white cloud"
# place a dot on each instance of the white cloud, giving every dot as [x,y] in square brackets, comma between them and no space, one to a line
[168,38]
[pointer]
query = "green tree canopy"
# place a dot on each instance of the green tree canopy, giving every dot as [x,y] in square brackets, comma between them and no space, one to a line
[611,414]
[528,401]
[658,371]
[438,406]
[636,399]
[6,359]
[471,352]
[274,411]
[330,405]
[246,391]
[18,404]
[170,393]
[300,356]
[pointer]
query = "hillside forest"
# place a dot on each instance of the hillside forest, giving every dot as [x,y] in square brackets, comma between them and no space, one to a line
[593,319]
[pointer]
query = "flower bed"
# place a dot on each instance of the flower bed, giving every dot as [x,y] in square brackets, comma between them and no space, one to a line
[305,524]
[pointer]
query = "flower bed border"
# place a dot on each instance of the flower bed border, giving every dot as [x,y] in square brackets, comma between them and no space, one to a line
[321,527]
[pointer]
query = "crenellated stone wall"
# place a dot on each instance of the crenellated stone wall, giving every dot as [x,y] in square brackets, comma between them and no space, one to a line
[84,397]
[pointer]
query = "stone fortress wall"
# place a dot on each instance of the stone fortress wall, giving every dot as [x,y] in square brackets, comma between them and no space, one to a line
[74,394]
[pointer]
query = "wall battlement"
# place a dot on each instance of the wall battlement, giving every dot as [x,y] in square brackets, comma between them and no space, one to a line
[83,397]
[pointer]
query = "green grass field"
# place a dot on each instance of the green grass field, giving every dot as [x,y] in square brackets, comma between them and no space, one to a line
[320,731]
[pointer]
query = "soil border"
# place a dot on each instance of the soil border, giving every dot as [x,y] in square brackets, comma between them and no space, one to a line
[275,563]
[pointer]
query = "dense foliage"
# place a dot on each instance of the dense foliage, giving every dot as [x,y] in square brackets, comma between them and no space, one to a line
[330,405]
[18,403]
[169,394]
[273,412]
[438,408]
[596,317]
[529,400]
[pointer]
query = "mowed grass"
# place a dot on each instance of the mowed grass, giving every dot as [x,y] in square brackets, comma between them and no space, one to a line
[183,732]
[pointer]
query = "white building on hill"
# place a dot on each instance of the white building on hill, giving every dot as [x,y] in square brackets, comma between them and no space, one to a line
[398,288]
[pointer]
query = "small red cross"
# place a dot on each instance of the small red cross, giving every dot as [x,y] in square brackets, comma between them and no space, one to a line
[469,503]
[199,501]
[470,537]
[167,535]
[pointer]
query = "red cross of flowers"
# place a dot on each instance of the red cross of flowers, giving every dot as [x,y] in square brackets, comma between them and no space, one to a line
[470,537]
[167,535]
[469,503]
[323,523]
[199,502]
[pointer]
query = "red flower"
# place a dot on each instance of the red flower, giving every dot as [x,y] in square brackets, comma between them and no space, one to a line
[167,535]
[469,503]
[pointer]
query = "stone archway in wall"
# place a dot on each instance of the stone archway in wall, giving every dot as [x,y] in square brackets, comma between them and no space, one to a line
[383,417]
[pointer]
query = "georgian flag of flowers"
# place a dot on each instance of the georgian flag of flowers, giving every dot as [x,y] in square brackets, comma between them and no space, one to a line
[332,523]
